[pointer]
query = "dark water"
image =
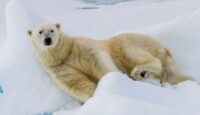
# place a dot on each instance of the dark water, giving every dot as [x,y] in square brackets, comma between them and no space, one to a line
[105,2]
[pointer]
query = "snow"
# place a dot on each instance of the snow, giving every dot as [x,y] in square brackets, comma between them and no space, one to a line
[117,105]
[27,89]
[174,98]
[2,19]
[119,95]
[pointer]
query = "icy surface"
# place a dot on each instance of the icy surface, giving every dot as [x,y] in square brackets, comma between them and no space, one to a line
[1,90]
[27,89]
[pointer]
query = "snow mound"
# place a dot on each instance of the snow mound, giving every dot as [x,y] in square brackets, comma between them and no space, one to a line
[117,105]
[174,98]
[116,94]
[27,87]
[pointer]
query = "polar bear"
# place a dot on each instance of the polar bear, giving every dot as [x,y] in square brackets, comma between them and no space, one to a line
[76,63]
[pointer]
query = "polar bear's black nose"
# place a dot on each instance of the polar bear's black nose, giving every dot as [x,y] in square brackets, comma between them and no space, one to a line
[47,41]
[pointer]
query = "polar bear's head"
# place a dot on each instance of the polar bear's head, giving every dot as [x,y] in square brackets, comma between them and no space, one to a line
[45,36]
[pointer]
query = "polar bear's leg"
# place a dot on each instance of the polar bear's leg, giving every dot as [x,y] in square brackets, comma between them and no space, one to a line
[145,65]
[77,84]
[149,69]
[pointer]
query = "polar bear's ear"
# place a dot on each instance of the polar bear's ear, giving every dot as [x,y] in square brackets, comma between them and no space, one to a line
[58,25]
[29,32]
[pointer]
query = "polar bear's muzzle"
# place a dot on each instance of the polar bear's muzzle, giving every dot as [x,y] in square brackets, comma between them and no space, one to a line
[48,41]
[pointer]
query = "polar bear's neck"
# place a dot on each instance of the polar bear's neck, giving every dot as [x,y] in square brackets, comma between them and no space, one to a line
[58,54]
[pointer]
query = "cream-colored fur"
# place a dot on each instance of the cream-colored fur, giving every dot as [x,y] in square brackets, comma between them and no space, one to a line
[76,64]
[141,57]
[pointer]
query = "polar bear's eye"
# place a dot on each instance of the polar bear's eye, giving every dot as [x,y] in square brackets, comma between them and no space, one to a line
[52,31]
[40,32]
